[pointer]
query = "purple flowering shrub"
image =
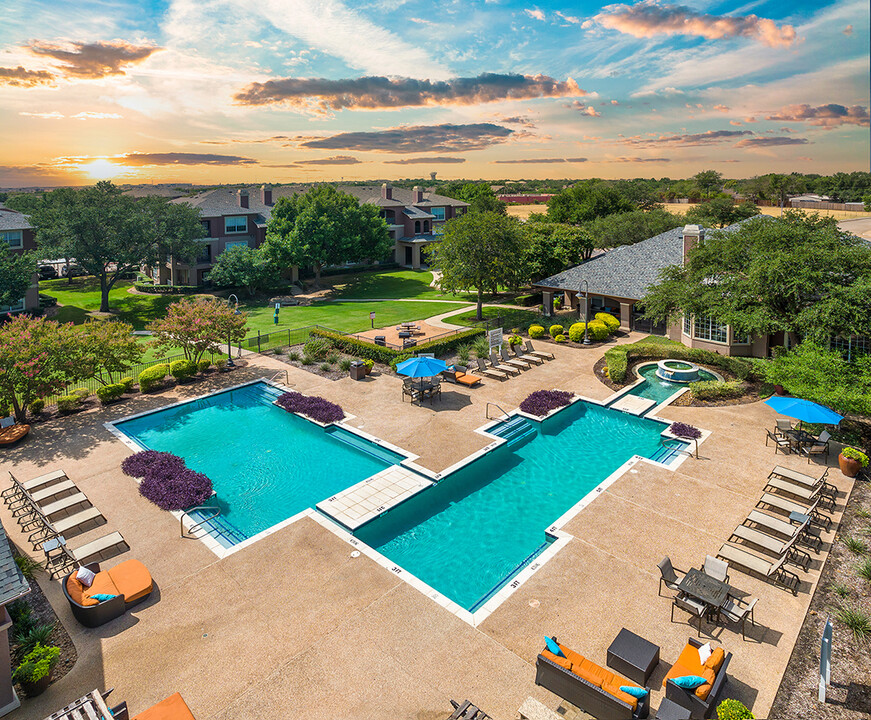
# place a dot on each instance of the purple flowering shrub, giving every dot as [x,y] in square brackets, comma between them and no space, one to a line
[682,430]
[318,409]
[541,402]
[166,481]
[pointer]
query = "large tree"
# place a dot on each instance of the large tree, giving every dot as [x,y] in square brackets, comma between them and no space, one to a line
[16,274]
[480,196]
[110,234]
[798,273]
[325,227]
[105,348]
[246,267]
[708,181]
[720,212]
[480,251]
[197,326]
[585,201]
[631,227]
[553,247]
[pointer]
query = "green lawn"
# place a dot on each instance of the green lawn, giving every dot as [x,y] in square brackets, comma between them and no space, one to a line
[512,318]
[393,284]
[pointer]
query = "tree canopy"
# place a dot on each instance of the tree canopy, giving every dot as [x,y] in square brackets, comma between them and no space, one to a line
[197,326]
[586,201]
[798,273]
[631,227]
[708,181]
[324,226]
[480,196]
[481,251]
[16,274]
[720,212]
[244,266]
[104,348]
[553,247]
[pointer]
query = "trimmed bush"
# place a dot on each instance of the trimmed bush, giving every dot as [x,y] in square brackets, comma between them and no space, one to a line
[36,406]
[715,390]
[128,383]
[109,393]
[609,320]
[560,338]
[203,365]
[555,330]
[83,393]
[576,332]
[68,403]
[166,289]
[541,402]
[183,369]
[152,377]
[316,348]
[598,331]
[318,409]
[528,300]
[731,709]
[536,331]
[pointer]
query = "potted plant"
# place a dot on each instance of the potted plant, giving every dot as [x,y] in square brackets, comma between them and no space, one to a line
[851,460]
[369,364]
[515,340]
[34,672]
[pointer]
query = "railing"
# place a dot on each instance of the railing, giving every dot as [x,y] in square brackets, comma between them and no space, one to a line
[286,377]
[186,513]
[487,410]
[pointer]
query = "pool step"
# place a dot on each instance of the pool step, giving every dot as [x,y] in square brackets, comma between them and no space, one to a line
[515,431]
[668,452]
[364,445]
[218,528]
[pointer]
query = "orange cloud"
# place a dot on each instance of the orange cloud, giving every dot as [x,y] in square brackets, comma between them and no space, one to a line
[93,60]
[828,116]
[22,77]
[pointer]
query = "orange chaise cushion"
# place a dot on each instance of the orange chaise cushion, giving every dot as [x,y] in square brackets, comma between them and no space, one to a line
[702,691]
[715,662]
[132,579]
[77,591]
[173,708]
[556,659]
[102,585]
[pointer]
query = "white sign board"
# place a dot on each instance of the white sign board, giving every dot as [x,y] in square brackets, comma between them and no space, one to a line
[495,337]
[825,660]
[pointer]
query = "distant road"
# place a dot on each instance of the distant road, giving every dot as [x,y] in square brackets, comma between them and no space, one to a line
[857,226]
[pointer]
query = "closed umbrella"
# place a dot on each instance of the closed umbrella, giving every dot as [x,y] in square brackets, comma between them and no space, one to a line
[804,410]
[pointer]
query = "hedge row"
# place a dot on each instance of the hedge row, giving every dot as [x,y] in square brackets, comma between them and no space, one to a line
[528,300]
[386,356]
[619,358]
[716,389]
[167,289]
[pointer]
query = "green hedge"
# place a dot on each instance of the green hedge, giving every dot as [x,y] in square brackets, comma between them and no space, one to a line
[167,289]
[384,355]
[528,300]
[128,383]
[619,359]
[152,377]
[183,369]
[204,365]
[108,393]
[68,403]
[609,320]
[716,389]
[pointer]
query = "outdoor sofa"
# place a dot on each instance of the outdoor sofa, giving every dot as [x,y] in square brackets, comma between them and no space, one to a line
[12,433]
[589,686]
[130,583]
[701,701]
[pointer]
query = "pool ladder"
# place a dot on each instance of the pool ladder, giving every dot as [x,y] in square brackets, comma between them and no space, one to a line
[487,410]
[185,533]
[279,374]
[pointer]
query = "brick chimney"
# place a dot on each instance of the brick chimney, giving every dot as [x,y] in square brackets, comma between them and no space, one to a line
[416,195]
[243,197]
[266,194]
[387,191]
[692,236]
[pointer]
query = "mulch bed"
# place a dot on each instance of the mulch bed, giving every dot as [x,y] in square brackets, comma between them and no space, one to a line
[849,695]
[334,373]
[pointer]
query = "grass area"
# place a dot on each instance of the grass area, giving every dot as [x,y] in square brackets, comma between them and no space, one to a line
[512,318]
[392,284]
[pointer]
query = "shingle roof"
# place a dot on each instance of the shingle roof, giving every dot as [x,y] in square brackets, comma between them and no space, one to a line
[13,220]
[626,271]
[12,582]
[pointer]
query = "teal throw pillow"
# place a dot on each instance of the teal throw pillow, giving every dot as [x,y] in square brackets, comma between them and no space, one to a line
[689,682]
[102,597]
[553,647]
[634,691]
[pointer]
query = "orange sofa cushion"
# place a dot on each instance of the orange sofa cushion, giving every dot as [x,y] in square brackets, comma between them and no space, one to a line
[716,660]
[702,691]
[102,584]
[132,579]
[613,688]
[592,673]
[77,591]
[173,708]
[556,659]
[689,664]
[576,658]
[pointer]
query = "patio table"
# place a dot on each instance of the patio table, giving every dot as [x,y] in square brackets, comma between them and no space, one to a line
[703,587]
[799,437]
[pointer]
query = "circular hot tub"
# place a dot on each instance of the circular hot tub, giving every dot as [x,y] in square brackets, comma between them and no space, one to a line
[679,371]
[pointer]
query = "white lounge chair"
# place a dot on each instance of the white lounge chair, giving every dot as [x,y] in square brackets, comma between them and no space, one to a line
[772,571]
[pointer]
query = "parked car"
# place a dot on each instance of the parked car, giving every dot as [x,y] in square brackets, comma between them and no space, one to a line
[47,272]
[72,270]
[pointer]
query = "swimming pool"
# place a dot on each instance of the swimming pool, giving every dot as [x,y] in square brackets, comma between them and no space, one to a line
[266,464]
[659,390]
[469,534]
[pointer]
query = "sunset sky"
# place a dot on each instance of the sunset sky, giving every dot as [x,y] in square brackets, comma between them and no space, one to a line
[296,90]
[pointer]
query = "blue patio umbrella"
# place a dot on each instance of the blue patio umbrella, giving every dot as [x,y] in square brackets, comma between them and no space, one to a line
[421,367]
[804,410]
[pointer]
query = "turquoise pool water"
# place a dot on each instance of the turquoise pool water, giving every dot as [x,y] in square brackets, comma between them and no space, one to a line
[266,464]
[655,388]
[478,527]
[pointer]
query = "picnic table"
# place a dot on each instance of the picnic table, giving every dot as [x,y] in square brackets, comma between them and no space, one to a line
[702,586]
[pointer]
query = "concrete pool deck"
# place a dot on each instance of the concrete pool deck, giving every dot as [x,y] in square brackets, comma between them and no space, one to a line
[292,626]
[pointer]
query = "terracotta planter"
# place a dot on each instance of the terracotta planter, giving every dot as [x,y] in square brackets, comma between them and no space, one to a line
[779,391]
[32,689]
[367,369]
[849,466]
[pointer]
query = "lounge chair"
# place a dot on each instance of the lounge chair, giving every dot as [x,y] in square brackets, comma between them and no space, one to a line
[69,526]
[781,442]
[716,569]
[490,372]
[497,365]
[520,355]
[19,490]
[459,374]
[173,708]
[538,353]
[513,361]
[789,507]
[757,518]
[466,711]
[774,571]
[668,575]
[734,611]
[12,432]
[44,496]
[129,581]
[802,491]
[59,557]
[779,548]
[806,481]
[820,447]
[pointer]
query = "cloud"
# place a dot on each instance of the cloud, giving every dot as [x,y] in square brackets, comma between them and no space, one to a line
[537,161]
[848,30]
[827,116]
[535,14]
[637,160]
[378,92]
[722,108]
[417,138]
[333,160]
[89,115]
[93,60]
[521,120]
[649,19]
[21,77]
[688,140]
[583,108]
[181,158]
[735,122]
[53,115]
[568,18]
[439,160]
[770,142]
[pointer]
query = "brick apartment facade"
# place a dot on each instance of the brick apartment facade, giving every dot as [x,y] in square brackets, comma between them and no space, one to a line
[20,236]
